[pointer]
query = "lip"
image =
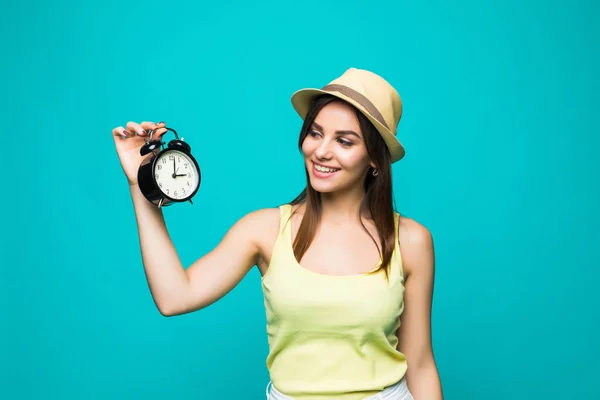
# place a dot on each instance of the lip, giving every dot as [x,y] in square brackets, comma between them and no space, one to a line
[322,175]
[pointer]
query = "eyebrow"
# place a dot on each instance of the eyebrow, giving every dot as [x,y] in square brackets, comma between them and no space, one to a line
[342,132]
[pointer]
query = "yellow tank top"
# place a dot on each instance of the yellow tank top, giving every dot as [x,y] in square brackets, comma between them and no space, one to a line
[331,337]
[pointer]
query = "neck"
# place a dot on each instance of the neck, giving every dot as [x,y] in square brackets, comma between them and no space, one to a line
[342,206]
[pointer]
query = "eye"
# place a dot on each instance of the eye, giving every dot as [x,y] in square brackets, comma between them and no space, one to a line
[344,142]
[313,133]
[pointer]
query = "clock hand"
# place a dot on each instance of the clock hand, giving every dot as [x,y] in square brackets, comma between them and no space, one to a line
[174,170]
[176,174]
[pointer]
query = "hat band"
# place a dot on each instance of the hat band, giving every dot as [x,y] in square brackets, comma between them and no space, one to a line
[359,98]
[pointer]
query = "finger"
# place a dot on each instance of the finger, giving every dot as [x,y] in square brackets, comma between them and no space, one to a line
[147,125]
[135,129]
[159,132]
[120,132]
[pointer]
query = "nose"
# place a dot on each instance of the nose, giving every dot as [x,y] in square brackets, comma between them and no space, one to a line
[323,151]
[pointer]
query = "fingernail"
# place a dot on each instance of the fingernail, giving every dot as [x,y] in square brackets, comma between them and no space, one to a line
[124,137]
[142,133]
[161,122]
[125,133]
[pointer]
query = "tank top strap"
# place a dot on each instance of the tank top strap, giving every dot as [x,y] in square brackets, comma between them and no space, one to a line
[285,212]
[396,255]
[396,225]
[280,254]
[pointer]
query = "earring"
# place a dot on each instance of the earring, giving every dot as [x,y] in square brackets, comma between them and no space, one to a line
[375,172]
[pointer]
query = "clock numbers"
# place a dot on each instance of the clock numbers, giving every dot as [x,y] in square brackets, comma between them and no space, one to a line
[177,178]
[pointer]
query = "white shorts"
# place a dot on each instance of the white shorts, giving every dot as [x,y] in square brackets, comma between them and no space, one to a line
[398,391]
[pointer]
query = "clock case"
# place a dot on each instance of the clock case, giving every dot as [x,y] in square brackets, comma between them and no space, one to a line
[152,149]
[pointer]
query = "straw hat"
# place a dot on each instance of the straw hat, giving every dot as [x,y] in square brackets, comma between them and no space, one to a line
[370,94]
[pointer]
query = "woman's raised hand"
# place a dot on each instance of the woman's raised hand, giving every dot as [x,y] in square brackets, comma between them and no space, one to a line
[128,142]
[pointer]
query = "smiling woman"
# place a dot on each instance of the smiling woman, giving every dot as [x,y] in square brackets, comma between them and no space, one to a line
[347,281]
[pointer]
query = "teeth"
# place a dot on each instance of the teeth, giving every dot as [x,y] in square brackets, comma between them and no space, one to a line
[324,169]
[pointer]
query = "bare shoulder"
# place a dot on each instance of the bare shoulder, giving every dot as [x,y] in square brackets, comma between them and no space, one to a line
[262,226]
[256,226]
[413,232]
[262,222]
[416,245]
[262,216]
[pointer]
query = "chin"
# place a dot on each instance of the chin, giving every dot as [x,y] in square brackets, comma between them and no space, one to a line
[326,185]
[321,188]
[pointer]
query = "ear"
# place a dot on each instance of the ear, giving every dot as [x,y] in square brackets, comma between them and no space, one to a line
[372,164]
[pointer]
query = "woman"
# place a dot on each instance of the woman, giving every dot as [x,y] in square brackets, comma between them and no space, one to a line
[347,281]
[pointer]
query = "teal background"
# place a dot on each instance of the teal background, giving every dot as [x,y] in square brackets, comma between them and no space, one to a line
[501,130]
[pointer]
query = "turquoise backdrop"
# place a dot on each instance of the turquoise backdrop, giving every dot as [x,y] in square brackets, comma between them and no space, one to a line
[501,130]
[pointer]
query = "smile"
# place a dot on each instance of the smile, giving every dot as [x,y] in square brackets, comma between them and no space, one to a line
[327,170]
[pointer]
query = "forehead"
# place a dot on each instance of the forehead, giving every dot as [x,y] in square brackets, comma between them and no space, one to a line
[338,116]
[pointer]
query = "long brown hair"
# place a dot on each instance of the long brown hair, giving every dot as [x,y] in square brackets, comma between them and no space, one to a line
[378,200]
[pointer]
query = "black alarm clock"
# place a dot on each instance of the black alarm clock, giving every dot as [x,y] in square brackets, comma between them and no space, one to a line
[168,174]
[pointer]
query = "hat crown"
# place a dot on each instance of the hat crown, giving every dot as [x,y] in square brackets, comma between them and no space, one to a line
[376,90]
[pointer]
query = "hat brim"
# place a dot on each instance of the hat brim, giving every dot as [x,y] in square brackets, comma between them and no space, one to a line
[303,98]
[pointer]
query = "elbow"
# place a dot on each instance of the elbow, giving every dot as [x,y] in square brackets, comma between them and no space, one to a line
[167,309]
[167,312]
[172,303]
[421,362]
[173,309]
[178,303]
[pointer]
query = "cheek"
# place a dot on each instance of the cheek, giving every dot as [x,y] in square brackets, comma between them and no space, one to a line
[354,160]
[307,148]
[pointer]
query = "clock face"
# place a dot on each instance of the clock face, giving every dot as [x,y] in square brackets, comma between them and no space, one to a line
[176,174]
